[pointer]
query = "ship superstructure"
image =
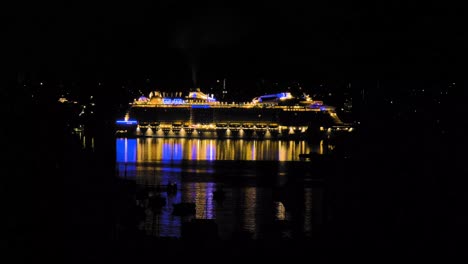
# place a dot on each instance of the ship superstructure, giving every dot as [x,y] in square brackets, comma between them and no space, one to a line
[277,115]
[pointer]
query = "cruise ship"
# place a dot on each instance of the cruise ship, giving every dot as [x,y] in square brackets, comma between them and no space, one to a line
[279,115]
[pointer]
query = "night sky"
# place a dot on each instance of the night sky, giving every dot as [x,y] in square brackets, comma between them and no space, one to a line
[285,40]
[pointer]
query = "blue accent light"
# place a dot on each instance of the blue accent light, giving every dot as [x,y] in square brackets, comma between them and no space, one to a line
[281,95]
[173,101]
[211,152]
[126,150]
[171,152]
[194,151]
[210,205]
[126,122]
[200,106]
[177,152]
[166,152]
[178,101]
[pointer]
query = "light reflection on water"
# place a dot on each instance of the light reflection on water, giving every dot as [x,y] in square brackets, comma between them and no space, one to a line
[178,149]
[249,171]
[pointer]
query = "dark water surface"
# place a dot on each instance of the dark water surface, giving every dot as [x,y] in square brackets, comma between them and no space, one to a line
[268,189]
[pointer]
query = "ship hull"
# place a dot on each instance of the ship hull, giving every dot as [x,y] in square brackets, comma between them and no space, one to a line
[225,121]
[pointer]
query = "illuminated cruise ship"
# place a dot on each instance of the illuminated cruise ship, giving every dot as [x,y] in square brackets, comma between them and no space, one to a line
[278,115]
